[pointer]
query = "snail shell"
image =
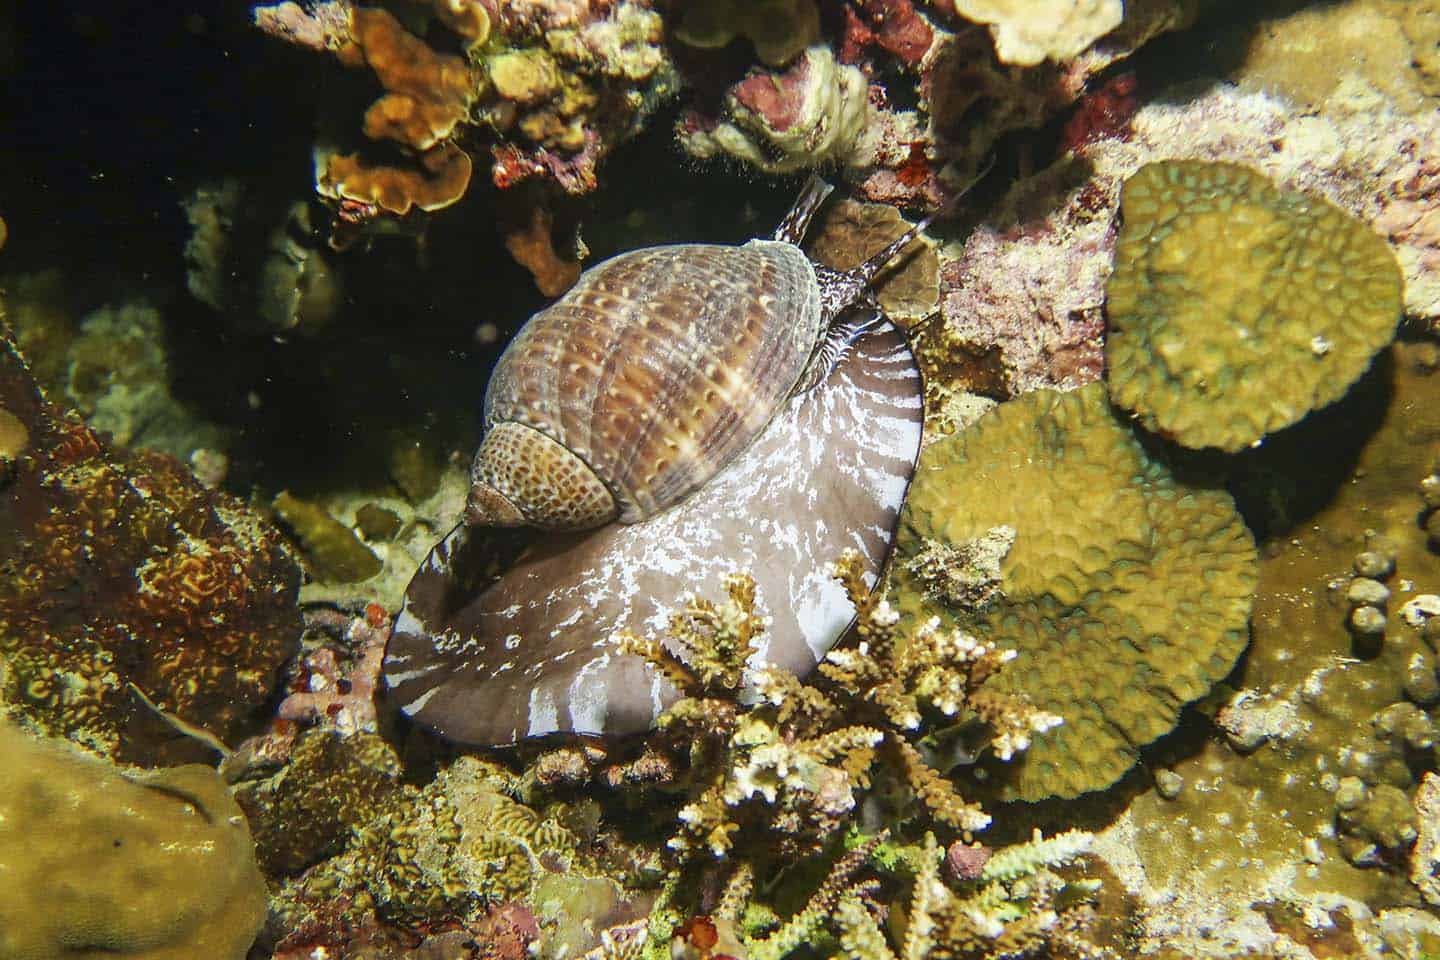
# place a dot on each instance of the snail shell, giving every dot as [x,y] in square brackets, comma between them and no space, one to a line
[717,401]
[640,384]
[507,634]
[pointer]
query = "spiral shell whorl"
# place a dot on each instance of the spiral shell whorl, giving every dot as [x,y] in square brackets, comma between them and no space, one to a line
[522,476]
[661,365]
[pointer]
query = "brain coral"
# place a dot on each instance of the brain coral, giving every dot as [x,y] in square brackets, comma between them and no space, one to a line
[1125,594]
[120,567]
[1235,307]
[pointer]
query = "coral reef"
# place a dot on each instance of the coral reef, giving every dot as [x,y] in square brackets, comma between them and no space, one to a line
[157,866]
[813,113]
[1022,296]
[546,90]
[122,569]
[1125,593]
[1312,706]
[1066,609]
[1235,308]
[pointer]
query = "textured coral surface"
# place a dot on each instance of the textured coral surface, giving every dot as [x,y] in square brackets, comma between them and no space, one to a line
[1126,591]
[1236,308]
[121,568]
[1254,820]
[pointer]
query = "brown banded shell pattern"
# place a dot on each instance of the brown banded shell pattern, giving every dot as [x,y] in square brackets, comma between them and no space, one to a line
[660,365]
[509,633]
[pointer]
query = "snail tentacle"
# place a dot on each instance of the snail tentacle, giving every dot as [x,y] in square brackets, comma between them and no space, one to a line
[793,227]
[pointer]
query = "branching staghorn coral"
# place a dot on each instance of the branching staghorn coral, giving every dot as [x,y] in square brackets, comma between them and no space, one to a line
[1016,907]
[791,765]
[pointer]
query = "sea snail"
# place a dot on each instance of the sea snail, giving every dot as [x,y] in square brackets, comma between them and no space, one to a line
[654,371]
[507,633]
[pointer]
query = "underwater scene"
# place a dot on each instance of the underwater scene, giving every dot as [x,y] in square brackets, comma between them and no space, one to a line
[720,479]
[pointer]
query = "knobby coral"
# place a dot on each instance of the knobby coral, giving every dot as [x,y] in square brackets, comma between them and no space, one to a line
[1126,592]
[1235,307]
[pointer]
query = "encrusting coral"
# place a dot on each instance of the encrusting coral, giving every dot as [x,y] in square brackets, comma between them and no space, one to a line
[95,860]
[1126,592]
[814,112]
[778,29]
[1235,307]
[1027,32]
[122,568]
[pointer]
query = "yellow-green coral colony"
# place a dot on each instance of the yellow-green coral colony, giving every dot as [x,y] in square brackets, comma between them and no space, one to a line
[1125,594]
[1236,307]
[95,861]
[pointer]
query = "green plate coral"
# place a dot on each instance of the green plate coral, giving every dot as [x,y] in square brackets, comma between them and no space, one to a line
[1125,593]
[1236,307]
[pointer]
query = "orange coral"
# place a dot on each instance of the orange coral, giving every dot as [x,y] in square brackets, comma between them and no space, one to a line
[427,93]
[532,247]
[440,179]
